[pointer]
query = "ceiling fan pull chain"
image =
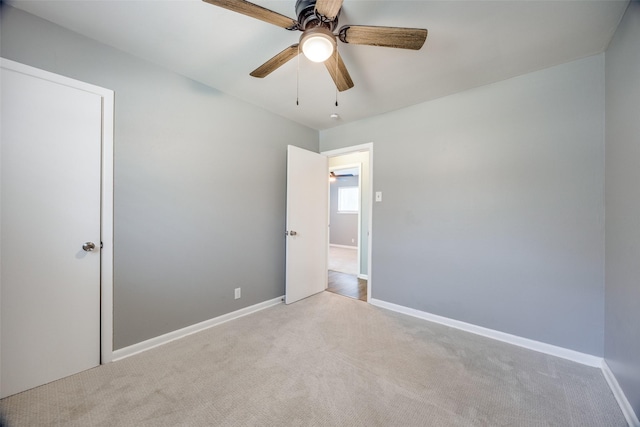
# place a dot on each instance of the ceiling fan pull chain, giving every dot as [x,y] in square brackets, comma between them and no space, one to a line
[336,74]
[298,79]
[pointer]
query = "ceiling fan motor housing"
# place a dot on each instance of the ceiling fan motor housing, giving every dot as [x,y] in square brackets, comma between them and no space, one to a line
[307,18]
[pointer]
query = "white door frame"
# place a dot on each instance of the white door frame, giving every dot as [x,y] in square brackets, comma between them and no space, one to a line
[106,196]
[353,149]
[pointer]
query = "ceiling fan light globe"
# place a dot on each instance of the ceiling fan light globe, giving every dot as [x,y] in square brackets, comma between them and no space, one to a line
[317,48]
[318,44]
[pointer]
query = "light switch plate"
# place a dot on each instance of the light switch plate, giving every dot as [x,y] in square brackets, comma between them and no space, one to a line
[378,196]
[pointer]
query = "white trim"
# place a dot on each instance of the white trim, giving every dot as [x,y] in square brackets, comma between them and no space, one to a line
[198,327]
[368,147]
[106,231]
[106,208]
[625,406]
[343,246]
[363,276]
[347,150]
[576,356]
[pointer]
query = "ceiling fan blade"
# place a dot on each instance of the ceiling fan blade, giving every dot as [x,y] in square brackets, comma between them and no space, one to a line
[255,11]
[328,8]
[276,62]
[339,72]
[403,38]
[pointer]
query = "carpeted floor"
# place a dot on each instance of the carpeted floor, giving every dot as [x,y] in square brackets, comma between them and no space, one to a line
[325,361]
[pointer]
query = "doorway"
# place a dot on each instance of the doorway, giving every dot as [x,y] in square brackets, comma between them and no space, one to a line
[344,231]
[349,243]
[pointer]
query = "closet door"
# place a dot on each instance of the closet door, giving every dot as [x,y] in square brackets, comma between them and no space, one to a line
[50,230]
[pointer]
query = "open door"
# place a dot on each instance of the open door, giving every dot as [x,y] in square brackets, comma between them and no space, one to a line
[307,224]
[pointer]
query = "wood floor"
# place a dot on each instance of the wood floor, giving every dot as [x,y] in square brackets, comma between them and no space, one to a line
[347,285]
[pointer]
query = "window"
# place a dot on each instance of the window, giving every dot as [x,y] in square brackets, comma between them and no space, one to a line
[348,199]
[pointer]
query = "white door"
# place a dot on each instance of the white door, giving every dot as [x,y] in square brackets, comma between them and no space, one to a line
[307,223]
[50,195]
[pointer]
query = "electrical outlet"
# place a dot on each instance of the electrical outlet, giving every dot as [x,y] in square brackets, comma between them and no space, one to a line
[353,240]
[237,293]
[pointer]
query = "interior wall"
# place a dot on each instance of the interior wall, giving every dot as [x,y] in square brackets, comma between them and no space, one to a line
[361,157]
[199,183]
[493,207]
[622,289]
[343,228]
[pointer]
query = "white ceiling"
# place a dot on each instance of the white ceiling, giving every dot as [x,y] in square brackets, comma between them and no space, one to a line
[470,43]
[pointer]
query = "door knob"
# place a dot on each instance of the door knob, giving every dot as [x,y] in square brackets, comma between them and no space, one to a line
[88,246]
[293,233]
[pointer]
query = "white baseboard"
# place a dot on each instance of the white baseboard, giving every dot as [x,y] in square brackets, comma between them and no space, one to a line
[363,276]
[343,246]
[576,356]
[625,406]
[181,333]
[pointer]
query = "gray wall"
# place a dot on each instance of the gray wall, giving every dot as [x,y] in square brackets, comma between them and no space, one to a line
[622,290]
[344,227]
[190,225]
[493,207]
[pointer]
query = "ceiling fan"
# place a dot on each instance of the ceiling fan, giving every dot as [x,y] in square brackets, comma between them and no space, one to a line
[318,19]
[334,176]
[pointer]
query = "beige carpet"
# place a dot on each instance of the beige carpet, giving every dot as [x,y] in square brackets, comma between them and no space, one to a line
[325,361]
[344,260]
